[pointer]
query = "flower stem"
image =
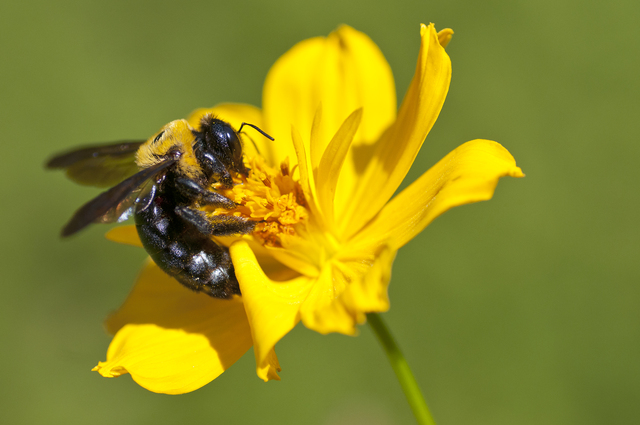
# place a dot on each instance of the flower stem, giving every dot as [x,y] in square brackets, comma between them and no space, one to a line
[401,368]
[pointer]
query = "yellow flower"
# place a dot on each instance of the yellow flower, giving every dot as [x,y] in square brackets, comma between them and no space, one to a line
[328,228]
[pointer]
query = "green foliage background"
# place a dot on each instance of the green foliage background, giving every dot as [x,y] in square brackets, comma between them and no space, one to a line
[521,310]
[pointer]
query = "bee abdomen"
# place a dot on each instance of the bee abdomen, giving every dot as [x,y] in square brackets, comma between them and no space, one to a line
[208,269]
[184,253]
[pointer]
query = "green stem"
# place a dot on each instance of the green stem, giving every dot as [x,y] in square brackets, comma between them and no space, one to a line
[401,368]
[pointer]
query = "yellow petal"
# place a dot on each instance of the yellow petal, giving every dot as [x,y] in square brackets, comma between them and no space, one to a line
[269,368]
[370,293]
[307,181]
[320,311]
[127,235]
[444,36]
[331,164]
[468,174]
[271,307]
[269,262]
[398,147]
[172,340]
[343,72]
[236,114]
[347,290]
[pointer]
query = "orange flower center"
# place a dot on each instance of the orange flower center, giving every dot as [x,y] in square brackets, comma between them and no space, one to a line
[270,197]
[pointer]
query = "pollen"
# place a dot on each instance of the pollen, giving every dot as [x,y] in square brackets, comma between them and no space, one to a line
[271,198]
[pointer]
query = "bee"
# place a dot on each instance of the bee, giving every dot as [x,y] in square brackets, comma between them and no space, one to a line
[162,182]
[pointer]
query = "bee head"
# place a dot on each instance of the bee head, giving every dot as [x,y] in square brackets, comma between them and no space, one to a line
[220,139]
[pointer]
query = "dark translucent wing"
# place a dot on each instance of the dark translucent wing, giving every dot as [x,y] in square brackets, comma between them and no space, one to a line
[138,199]
[115,149]
[102,172]
[103,204]
[122,210]
[99,165]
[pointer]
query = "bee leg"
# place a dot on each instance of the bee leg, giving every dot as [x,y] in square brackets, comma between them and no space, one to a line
[213,167]
[219,225]
[194,191]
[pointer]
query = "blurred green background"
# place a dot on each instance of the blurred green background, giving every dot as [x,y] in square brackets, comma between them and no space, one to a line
[521,310]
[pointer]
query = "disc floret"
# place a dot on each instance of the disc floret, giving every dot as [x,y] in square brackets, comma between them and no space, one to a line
[269,196]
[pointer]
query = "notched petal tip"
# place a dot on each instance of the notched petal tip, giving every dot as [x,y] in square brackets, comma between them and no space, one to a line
[343,32]
[269,370]
[108,370]
[271,307]
[399,145]
[444,36]
[343,71]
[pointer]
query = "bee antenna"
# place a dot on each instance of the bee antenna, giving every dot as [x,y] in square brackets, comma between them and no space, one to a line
[255,127]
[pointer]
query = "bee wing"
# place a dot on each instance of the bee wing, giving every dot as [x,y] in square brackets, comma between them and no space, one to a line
[139,199]
[99,165]
[114,202]
[122,210]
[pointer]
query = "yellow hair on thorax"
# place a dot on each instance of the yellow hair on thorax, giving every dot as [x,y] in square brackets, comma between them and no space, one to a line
[175,136]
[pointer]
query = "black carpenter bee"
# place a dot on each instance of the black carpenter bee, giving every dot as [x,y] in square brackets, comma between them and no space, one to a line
[173,173]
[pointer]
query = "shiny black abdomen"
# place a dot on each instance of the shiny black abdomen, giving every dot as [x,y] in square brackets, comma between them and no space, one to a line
[181,251]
